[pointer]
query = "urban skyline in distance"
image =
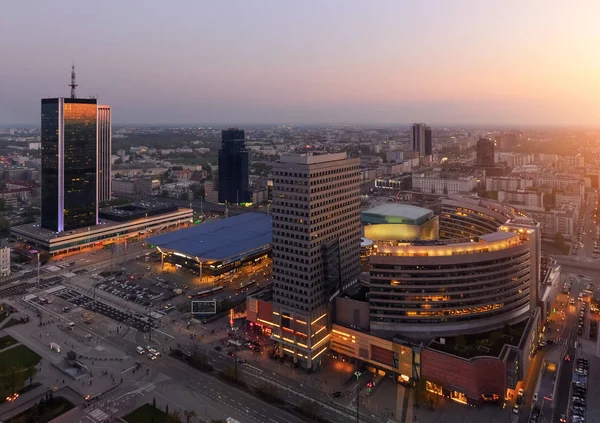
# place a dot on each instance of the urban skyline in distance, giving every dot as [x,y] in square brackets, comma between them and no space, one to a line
[334,63]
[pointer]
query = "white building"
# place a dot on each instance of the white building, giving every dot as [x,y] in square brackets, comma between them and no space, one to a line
[507,183]
[4,261]
[433,183]
[530,199]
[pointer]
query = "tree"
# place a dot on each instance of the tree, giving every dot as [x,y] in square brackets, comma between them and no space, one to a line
[30,373]
[189,415]
[174,417]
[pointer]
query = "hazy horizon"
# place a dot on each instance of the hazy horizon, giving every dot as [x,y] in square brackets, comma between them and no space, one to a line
[311,63]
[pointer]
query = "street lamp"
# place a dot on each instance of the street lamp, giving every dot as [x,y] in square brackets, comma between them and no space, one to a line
[357,374]
[38,269]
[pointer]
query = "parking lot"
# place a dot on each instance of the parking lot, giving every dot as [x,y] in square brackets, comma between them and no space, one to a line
[139,322]
[146,291]
[22,288]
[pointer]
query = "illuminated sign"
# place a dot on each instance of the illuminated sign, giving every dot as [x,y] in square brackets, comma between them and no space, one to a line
[204,307]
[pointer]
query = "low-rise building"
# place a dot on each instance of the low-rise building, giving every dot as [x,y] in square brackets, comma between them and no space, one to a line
[443,183]
[529,199]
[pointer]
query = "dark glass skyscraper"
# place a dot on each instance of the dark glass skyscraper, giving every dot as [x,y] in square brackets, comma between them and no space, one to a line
[104,152]
[234,184]
[69,154]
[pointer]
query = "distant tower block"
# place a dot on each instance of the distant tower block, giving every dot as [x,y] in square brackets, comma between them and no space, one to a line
[73,85]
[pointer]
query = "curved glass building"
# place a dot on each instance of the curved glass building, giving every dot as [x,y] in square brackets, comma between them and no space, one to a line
[482,274]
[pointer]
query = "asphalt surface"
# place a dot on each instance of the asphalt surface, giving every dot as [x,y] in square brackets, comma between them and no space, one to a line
[566,371]
[84,301]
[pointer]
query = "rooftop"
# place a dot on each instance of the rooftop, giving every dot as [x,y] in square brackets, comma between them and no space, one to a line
[396,213]
[223,239]
[136,210]
[481,344]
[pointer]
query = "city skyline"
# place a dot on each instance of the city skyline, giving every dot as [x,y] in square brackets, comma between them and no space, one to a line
[340,62]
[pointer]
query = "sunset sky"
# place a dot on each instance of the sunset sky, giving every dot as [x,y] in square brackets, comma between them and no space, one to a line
[330,61]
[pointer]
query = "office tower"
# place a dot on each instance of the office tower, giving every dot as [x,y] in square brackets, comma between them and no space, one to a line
[233,180]
[428,141]
[316,248]
[421,139]
[69,142]
[104,153]
[485,152]
[511,141]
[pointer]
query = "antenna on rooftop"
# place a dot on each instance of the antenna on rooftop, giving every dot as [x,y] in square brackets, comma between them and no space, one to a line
[73,85]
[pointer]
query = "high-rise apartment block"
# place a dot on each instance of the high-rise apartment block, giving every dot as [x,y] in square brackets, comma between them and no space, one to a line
[104,152]
[421,139]
[4,261]
[234,183]
[69,198]
[485,152]
[316,248]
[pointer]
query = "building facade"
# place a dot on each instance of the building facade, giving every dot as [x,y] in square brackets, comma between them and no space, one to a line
[104,152]
[421,139]
[234,182]
[69,197]
[4,262]
[435,183]
[528,199]
[316,248]
[485,152]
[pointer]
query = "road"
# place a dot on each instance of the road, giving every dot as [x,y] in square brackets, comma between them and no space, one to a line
[566,369]
[210,387]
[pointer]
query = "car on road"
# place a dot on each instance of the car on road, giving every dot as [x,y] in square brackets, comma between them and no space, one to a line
[218,348]
[515,409]
[567,357]
[241,361]
[336,394]
[140,350]
[563,418]
[521,390]
[535,397]
[65,309]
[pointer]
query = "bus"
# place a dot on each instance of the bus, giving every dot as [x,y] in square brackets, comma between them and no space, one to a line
[208,292]
[245,286]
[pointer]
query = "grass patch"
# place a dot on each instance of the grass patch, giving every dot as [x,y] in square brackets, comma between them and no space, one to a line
[145,414]
[19,356]
[11,322]
[7,341]
[46,410]
[23,390]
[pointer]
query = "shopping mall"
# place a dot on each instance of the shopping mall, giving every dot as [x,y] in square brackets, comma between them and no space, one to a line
[454,303]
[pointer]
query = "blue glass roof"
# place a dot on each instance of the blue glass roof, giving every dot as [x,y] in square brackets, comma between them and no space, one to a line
[221,239]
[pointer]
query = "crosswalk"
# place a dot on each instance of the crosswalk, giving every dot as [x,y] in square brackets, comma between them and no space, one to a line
[148,387]
[98,415]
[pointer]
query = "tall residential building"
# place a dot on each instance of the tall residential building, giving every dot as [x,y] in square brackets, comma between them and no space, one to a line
[69,198]
[421,139]
[4,261]
[315,247]
[104,152]
[485,152]
[234,185]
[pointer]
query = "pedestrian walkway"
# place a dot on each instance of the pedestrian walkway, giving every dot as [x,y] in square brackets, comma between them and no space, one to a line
[98,415]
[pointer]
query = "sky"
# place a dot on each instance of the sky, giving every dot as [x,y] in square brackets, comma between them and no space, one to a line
[513,62]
